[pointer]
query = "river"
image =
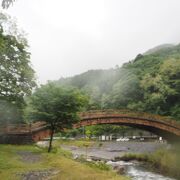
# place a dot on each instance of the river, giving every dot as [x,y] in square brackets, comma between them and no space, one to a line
[136,171]
[109,150]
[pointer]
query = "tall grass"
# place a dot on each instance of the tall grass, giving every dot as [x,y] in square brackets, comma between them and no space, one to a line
[164,161]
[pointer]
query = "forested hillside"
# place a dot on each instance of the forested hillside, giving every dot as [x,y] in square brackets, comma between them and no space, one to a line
[150,83]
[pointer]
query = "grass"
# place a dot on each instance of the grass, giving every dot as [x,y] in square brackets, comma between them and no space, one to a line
[78,143]
[11,165]
[98,164]
[164,161]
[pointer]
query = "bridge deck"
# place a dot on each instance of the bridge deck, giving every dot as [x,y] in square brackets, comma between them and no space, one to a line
[128,113]
[103,116]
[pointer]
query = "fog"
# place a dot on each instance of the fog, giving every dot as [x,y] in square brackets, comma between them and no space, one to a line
[73,36]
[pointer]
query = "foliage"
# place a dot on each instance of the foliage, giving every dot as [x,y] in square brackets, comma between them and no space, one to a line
[124,92]
[95,83]
[162,90]
[57,106]
[149,83]
[98,130]
[9,112]
[16,74]
[7,3]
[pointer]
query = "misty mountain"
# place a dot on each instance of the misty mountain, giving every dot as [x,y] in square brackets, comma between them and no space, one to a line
[159,48]
[150,82]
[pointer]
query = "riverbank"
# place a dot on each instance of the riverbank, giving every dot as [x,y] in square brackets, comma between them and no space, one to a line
[161,160]
[164,161]
[109,150]
[32,163]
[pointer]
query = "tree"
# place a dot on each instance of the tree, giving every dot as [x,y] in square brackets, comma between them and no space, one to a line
[162,90]
[16,74]
[57,106]
[124,92]
[150,83]
[88,134]
[105,129]
[7,3]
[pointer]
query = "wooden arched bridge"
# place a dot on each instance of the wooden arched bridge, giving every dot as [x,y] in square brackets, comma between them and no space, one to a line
[160,125]
[163,126]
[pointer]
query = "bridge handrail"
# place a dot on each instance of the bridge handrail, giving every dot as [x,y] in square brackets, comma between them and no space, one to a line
[147,116]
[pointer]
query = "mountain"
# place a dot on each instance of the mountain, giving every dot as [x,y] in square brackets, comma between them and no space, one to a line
[150,83]
[159,48]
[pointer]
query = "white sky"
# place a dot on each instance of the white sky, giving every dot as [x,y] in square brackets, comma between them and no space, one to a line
[68,37]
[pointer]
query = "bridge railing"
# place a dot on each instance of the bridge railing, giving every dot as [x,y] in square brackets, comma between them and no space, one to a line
[27,128]
[128,113]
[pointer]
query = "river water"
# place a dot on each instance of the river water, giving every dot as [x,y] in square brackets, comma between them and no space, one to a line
[110,150]
[137,171]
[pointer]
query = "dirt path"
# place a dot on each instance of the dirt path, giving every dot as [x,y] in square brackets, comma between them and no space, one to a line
[39,175]
[30,157]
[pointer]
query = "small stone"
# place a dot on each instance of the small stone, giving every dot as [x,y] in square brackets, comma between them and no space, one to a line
[119,169]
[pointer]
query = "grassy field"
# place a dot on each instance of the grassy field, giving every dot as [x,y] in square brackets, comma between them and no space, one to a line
[14,162]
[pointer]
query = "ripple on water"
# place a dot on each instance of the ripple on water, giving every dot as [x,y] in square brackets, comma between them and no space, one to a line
[136,172]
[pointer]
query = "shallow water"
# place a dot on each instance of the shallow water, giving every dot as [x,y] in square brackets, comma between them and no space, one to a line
[110,150]
[137,172]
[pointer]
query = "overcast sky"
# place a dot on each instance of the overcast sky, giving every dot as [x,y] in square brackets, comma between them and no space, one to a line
[68,37]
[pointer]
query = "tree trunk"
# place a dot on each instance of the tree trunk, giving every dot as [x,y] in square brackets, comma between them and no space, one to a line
[51,139]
